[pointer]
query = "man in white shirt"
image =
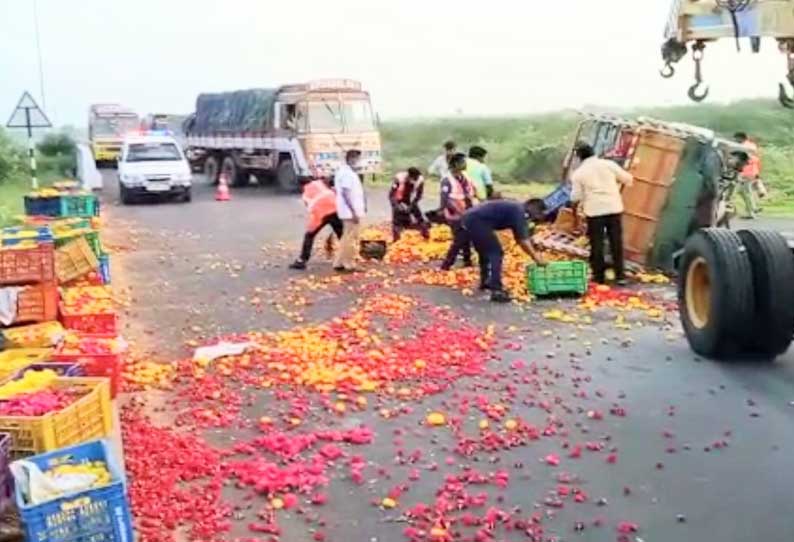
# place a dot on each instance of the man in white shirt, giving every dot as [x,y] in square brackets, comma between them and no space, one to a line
[351,208]
[440,166]
[596,185]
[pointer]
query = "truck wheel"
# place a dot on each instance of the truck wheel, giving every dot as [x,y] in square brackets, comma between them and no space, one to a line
[715,293]
[773,276]
[286,177]
[237,176]
[211,169]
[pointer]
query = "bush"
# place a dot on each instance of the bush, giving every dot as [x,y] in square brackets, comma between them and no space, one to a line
[12,158]
[58,154]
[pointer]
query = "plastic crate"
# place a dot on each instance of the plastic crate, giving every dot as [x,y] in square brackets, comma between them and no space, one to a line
[6,480]
[27,265]
[106,323]
[558,199]
[91,237]
[104,268]
[89,417]
[558,278]
[15,235]
[93,515]
[73,260]
[61,368]
[97,365]
[82,205]
[11,361]
[43,206]
[37,303]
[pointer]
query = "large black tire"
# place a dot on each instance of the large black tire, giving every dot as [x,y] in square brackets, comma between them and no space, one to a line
[287,178]
[715,293]
[773,277]
[237,176]
[211,169]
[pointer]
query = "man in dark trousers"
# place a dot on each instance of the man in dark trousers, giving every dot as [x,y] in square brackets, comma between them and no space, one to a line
[405,194]
[320,200]
[596,185]
[481,224]
[457,194]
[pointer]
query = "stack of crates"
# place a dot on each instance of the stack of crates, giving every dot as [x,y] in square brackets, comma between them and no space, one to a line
[32,270]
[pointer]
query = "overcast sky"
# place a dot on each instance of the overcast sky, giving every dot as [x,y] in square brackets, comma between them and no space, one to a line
[417,57]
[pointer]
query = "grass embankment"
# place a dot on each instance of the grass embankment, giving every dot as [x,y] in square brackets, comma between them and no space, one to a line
[525,152]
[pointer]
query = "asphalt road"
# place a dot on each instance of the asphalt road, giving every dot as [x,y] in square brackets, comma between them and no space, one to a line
[190,271]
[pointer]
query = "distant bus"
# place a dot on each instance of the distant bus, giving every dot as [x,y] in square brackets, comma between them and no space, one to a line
[107,126]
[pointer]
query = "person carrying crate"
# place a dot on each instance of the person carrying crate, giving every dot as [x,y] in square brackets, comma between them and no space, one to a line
[596,186]
[481,224]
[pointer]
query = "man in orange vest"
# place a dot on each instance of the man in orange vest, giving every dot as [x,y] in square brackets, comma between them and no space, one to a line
[457,195]
[405,194]
[320,201]
[750,176]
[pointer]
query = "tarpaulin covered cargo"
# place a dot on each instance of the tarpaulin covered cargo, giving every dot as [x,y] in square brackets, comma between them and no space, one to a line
[238,111]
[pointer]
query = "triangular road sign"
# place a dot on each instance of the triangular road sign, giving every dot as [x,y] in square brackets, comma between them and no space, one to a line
[28,114]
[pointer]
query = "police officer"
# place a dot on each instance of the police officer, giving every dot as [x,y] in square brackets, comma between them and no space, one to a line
[405,194]
[481,224]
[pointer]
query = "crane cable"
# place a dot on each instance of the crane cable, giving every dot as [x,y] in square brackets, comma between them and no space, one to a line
[734,7]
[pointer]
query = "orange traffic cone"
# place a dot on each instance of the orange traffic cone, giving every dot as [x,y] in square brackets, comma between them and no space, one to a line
[222,193]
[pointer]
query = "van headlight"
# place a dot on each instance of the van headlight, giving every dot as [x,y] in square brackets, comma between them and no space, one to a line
[183,178]
[132,180]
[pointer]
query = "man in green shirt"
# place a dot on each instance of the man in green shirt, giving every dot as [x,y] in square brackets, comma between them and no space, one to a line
[479,173]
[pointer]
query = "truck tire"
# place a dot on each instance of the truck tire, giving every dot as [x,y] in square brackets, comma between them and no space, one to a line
[773,276]
[211,169]
[715,293]
[287,178]
[237,176]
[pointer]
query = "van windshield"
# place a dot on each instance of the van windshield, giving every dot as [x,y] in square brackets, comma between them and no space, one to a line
[153,152]
[331,116]
[113,126]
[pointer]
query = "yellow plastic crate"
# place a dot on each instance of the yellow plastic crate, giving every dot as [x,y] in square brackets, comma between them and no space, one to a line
[15,360]
[74,259]
[88,418]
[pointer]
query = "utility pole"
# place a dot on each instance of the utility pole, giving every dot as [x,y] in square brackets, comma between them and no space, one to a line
[38,51]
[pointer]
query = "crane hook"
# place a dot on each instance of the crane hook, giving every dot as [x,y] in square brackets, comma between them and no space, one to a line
[697,56]
[668,71]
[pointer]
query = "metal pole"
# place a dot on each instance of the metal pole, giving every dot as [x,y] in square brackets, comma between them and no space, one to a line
[31,152]
[38,49]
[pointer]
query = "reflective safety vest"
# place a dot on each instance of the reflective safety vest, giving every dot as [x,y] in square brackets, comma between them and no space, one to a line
[458,194]
[320,200]
[402,184]
[753,168]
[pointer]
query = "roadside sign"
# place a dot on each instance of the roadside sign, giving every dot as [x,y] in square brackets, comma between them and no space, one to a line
[28,114]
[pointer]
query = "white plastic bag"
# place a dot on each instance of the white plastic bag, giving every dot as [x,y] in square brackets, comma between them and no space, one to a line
[37,487]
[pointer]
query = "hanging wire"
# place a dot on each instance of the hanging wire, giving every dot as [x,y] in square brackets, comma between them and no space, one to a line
[734,7]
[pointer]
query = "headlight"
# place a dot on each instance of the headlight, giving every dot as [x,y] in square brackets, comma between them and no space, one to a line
[132,180]
[182,177]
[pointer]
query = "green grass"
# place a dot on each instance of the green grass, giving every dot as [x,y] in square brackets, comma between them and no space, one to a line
[11,203]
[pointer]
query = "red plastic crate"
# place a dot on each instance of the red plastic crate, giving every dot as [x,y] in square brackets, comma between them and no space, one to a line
[102,365]
[27,265]
[107,323]
[37,303]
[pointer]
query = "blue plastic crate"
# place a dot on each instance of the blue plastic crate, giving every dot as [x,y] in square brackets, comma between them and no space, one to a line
[104,268]
[95,515]
[61,368]
[15,234]
[558,199]
[48,206]
[6,480]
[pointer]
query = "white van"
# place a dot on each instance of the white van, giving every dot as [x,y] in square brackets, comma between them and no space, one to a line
[153,165]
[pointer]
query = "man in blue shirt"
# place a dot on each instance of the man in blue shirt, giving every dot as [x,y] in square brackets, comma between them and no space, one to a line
[481,224]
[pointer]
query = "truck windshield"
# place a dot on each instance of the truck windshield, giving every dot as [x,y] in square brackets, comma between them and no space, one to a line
[325,116]
[358,116]
[113,126]
[153,152]
[334,117]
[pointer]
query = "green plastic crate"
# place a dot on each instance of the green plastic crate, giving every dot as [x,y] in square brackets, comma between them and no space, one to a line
[558,278]
[79,205]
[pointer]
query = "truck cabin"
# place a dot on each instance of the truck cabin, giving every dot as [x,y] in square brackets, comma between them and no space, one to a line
[323,108]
